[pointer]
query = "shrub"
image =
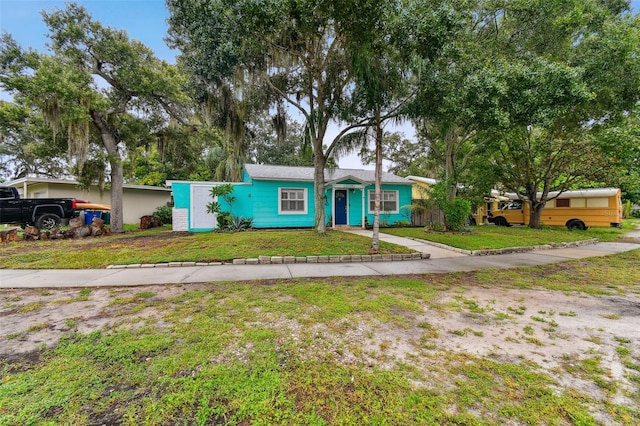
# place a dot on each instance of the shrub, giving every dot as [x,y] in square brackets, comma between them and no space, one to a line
[626,211]
[435,227]
[165,214]
[239,223]
[224,220]
[456,212]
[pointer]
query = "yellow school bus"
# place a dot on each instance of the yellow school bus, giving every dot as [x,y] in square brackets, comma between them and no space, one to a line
[578,209]
[482,213]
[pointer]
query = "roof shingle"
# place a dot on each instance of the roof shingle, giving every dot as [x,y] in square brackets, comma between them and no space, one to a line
[263,171]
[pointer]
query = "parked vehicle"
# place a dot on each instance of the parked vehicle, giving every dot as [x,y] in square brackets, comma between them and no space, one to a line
[579,209]
[45,213]
[482,213]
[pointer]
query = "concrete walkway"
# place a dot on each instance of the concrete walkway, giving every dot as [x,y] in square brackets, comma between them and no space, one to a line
[442,261]
[436,252]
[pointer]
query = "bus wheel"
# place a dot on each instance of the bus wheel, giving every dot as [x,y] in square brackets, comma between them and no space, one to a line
[576,225]
[501,221]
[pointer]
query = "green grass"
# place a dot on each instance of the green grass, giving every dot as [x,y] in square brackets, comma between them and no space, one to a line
[488,237]
[163,245]
[281,353]
[292,352]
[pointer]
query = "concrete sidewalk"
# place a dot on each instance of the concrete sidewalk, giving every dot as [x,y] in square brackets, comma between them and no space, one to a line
[442,261]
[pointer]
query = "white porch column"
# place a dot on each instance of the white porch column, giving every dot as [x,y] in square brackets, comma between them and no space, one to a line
[363,208]
[333,207]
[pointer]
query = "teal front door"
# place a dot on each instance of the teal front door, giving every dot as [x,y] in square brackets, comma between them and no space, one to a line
[340,206]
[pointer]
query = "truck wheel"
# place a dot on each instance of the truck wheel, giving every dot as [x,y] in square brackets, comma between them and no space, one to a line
[576,225]
[501,221]
[48,221]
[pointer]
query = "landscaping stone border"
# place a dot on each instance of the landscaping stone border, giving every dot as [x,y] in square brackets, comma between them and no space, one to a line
[267,260]
[509,250]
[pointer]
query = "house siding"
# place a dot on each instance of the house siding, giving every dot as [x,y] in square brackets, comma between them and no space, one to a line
[265,205]
[259,199]
[242,206]
[404,203]
[355,207]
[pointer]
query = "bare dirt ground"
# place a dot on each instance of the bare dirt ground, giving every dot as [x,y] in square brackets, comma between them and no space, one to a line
[550,328]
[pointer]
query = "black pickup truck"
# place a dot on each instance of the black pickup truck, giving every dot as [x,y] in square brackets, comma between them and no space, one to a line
[45,213]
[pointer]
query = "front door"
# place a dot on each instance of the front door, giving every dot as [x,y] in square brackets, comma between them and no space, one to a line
[340,206]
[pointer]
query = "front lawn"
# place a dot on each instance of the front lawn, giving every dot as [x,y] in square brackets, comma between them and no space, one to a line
[486,237]
[162,245]
[548,345]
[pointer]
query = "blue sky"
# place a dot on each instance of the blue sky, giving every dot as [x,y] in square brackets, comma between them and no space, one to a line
[144,20]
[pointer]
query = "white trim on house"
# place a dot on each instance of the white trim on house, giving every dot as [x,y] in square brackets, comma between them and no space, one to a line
[372,194]
[428,181]
[305,200]
[200,182]
[349,187]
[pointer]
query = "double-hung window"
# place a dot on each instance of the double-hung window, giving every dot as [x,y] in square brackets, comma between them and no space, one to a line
[388,201]
[292,201]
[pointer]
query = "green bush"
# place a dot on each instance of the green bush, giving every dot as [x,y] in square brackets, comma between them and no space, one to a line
[456,212]
[225,220]
[239,223]
[165,214]
[229,223]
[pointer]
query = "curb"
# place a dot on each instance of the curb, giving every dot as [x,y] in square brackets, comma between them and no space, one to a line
[270,260]
[508,250]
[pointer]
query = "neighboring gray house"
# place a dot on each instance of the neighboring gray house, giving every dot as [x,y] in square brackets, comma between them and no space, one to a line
[137,200]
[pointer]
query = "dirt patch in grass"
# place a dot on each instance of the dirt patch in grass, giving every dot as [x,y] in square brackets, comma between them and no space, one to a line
[539,325]
[562,333]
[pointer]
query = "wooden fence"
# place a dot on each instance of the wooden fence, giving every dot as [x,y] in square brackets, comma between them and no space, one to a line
[426,216]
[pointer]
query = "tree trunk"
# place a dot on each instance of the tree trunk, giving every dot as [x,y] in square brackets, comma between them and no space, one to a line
[450,166]
[117,181]
[535,214]
[110,143]
[449,170]
[375,241]
[319,162]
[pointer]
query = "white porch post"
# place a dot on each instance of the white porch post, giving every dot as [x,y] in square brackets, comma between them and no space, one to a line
[363,207]
[333,207]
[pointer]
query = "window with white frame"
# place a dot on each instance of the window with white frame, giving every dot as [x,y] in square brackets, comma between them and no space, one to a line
[388,201]
[292,201]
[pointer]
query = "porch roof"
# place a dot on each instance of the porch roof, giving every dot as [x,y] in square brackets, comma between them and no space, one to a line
[268,172]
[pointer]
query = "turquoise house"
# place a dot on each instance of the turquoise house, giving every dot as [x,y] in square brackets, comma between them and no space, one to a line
[283,197]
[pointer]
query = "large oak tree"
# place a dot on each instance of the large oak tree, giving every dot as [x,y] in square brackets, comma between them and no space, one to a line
[93,84]
[568,71]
